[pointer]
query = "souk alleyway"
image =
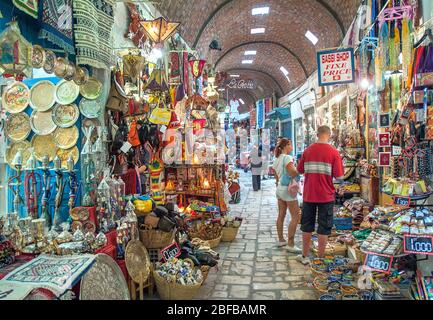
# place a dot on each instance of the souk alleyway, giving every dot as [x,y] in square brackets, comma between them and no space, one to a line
[252,266]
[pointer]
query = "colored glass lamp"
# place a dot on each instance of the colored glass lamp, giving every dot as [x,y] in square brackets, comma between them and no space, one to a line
[160,29]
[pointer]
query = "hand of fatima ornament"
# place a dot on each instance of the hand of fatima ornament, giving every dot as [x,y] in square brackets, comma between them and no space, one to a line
[87,148]
[97,146]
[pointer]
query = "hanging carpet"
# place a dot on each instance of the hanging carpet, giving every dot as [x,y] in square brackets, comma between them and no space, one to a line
[28,6]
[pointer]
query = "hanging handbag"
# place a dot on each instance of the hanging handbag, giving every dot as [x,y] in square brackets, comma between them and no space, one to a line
[133,137]
[294,188]
[160,116]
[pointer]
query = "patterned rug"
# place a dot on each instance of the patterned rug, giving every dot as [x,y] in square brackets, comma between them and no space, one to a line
[14,291]
[55,18]
[28,6]
[57,274]
[93,21]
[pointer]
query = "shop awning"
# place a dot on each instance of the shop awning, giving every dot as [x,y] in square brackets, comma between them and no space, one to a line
[279,113]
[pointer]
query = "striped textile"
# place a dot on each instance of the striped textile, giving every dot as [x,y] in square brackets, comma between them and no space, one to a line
[318,167]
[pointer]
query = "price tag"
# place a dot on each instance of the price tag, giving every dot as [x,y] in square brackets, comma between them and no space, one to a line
[418,244]
[172,251]
[378,262]
[403,202]
[126,147]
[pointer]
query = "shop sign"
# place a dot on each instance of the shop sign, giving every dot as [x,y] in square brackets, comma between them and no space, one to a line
[336,67]
[378,262]
[172,251]
[418,244]
[260,114]
[242,84]
[403,202]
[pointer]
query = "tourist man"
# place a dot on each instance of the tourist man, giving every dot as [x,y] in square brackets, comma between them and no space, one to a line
[320,163]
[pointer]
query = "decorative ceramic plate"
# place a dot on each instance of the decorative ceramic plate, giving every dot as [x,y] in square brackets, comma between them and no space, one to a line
[38,57]
[80,214]
[137,261]
[17,126]
[44,146]
[42,95]
[50,61]
[92,89]
[16,97]
[65,116]
[65,154]
[61,67]
[70,72]
[66,138]
[91,108]
[76,225]
[104,281]
[89,226]
[81,75]
[23,146]
[67,92]
[42,123]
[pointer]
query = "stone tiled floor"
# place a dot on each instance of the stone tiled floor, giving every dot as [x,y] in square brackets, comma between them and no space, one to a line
[252,267]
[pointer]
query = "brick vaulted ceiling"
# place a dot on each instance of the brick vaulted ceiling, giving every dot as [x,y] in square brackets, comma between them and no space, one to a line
[283,44]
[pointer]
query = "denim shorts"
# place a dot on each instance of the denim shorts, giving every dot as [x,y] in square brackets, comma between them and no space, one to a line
[323,212]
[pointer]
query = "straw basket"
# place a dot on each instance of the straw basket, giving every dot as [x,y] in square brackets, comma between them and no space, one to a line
[155,239]
[229,234]
[174,291]
[338,250]
[319,286]
[214,242]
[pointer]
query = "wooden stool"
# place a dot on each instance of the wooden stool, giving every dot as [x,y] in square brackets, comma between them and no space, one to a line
[133,287]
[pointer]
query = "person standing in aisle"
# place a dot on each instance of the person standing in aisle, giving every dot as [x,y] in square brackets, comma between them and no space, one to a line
[256,166]
[285,171]
[320,163]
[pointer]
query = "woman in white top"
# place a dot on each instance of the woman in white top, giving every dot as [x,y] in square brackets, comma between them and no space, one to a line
[285,171]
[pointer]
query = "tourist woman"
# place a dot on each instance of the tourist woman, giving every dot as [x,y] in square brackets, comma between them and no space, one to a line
[285,171]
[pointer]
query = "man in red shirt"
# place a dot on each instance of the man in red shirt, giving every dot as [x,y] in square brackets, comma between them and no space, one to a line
[320,163]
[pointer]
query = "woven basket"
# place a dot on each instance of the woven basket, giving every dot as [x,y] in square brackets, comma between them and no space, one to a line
[338,250]
[317,273]
[174,291]
[155,239]
[322,289]
[229,234]
[205,271]
[214,242]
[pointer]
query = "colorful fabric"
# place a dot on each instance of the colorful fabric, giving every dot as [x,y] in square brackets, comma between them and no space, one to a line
[320,163]
[175,71]
[93,21]
[57,274]
[28,6]
[55,18]
[13,291]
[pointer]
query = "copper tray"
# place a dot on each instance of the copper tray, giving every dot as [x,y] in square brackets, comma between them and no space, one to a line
[137,261]
[42,95]
[16,97]
[50,61]
[67,92]
[38,57]
[91,108]
[66,138]
[17,127]
[65,154]
[65,116]
[81,75]
[42,123]
[44,146]
[23,146]
[80,214]
[104,281]
[92,89]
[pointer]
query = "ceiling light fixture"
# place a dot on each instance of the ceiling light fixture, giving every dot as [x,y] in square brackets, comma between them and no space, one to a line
[247,61]
[310,36]
[257,30]
[159,29]
[260,10]
[250,52]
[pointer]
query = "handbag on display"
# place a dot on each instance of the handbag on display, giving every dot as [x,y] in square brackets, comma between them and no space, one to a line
[160,116]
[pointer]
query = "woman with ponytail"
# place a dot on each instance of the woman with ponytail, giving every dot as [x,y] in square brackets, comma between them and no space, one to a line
[285,171]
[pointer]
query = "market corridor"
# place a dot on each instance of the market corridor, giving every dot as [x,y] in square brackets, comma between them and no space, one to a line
[252,267]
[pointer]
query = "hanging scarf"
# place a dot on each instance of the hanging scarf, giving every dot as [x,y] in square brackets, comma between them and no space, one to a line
[397,47]
[407,50]
[384,40]
[392,54]
[379,76]
[28,6]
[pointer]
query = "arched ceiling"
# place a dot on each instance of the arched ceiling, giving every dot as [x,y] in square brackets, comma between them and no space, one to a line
[283,44]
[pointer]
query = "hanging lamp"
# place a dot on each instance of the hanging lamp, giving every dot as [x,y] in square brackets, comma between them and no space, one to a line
[159,29]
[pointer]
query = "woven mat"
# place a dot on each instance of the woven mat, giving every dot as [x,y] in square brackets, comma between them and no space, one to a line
[28,6]
[93,21]
[56,23]
[57,274]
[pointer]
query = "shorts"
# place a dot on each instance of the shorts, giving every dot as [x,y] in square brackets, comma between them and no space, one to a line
[325,213]
[283,194]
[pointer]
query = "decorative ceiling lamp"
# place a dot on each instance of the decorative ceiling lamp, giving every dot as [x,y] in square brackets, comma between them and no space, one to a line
[159,29]
[14,52]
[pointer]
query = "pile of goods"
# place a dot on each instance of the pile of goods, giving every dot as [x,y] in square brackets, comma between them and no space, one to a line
[230,227]
[406,187]
[78,242]
[349,188]
[413,221]
[383,242]
[205,230]
[179,271]
[355,208]
[197,206]
[7,254]
[334,246]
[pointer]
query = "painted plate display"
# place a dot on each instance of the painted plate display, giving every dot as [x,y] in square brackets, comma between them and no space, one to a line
[17,126]
[44,146]
[66,138]
[76,225]
[89,226]
[38,57]
[137,261]
[104,281]
[23,146]
[42,95]
[16,97]
[70,72]
[65,154]
[92,89]
[61,67]
[65,116]
[81,75]
[50,61]
[80,213]
[42,123]
[67,92]
[91,108]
